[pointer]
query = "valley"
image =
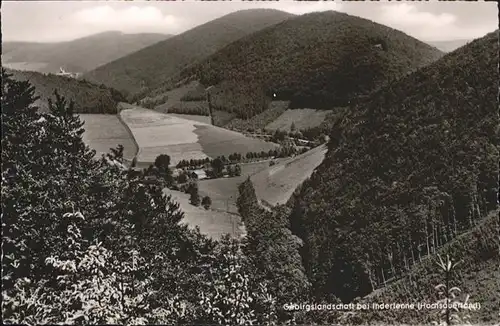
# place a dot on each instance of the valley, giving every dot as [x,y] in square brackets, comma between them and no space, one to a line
[276,184]
[265,157]
[158,133]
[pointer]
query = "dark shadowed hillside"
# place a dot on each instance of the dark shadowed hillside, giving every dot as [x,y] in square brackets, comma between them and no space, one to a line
[149,67]
[79,55]
[407,171]
[318,60]
[88,97]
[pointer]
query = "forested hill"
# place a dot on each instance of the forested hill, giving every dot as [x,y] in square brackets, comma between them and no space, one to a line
[88,97]
[79,55]
[149,67]
[317,60]
[407,171]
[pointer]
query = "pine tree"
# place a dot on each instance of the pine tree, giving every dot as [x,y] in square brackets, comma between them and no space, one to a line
[194,197]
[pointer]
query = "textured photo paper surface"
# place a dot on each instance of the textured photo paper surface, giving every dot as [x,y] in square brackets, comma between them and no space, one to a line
[250,162]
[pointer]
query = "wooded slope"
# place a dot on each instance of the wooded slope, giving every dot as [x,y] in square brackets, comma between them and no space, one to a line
[407,171]
[317,60]
[88,97]
[146,69]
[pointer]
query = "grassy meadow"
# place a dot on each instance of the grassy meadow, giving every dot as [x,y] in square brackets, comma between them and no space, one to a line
[103,131]
[212,222]
[276,184]
[301,118]
[173,97]
[157,133]
[192,117]
[224,191]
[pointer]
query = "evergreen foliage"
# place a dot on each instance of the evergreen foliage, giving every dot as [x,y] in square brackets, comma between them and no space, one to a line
[200,110]
[87,241]
[272,248]
[143,71]
[318,60]
[194,196]
[475,275]
[87,97]
[409,169]
[206,202]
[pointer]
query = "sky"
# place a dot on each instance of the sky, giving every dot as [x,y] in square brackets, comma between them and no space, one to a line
[54,21]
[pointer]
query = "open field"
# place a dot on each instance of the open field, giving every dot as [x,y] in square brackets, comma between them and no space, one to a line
[193,117]
[157,133]
[277,183]
[174,102]
[261,120]
[224,191]
[273,184]
[105,131]
[174,96]
[212,223]
[302,118]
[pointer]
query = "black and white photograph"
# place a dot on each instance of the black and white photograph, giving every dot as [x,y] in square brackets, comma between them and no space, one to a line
[250,163]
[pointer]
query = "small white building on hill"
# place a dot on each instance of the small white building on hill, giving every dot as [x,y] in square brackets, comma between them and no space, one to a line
[199,174]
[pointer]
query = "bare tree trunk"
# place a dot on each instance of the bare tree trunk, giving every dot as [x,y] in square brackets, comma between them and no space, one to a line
[390,256]
[370,277]
[401,254]
[412,253]
[377,275]
[454,221]
[405,262]
[433,238]
[478,209]
[419,252]
[427,237]
[438,235]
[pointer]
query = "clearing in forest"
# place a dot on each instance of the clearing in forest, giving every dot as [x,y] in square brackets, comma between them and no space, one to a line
[158,133]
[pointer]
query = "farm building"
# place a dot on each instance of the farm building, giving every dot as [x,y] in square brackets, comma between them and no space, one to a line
[304,141]
[199,174]
[176,172]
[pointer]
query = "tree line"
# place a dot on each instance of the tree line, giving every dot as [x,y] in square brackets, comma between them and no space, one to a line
[152,103]
[219,162]
[86,240]
[200,110]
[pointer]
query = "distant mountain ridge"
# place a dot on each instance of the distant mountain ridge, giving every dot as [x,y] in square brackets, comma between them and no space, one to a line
[151,66]
[449,46]
[317,60]
[78,55]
